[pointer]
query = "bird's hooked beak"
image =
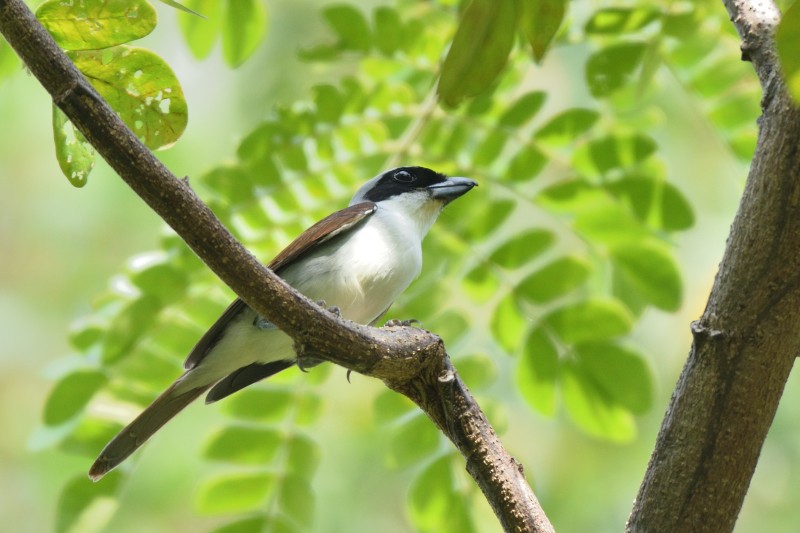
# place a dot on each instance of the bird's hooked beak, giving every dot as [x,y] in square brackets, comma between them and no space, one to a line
[451,188]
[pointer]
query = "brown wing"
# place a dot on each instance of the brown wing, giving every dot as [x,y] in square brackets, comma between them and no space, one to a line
[324,230]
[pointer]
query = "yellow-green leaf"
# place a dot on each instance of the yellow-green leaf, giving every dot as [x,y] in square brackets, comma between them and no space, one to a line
[244,25]
[74,154]
[95,24]
[789,48]
[141,88]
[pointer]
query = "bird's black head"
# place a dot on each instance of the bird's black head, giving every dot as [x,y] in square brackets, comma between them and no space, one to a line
[400,180]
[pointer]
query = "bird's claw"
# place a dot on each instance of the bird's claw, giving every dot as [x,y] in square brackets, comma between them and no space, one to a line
[306,361]
[394,322]
[332,309]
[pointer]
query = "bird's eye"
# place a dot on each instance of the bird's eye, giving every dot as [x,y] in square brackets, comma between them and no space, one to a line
[404,176]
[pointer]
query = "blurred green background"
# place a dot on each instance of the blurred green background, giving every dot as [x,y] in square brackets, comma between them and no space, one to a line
[61,246]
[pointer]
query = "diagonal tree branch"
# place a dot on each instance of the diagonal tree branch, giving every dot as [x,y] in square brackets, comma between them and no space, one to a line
[747,339]
[411,361]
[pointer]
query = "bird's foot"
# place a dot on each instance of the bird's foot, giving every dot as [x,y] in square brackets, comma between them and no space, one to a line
[304,362]
[394,322]
[333,309]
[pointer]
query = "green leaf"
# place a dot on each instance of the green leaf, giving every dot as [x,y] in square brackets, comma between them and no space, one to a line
[719,77]
[537,372]
[95,24]
[480,283]
[71,394]
[479,51]
[522,110]
[607,222]
[479,218]
[554,280]
[589,408]
[255,524]
[9,62]
[244,25]
[235,493]
[87,507]
[330,103]
[612,67]
[789,48]
[389,406]
[297,500]
[490,148]
[74,154]
[617,20]
[201,33]
[303,456]
[620,374]
[526,164]
[508,324]
[160,278]
[540,23]
[141,88]
[650,267]
[655,201]
[614,152]
[389,30]
[567,126]
[129,326]
[520,249]
[435,505]
[350,26]
[738,111]
[477,371]
[259,405]
[590,320]
[412,441]
[89,436]
[244,445]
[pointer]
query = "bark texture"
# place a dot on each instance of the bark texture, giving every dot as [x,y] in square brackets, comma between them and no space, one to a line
[747,339]
[411,361]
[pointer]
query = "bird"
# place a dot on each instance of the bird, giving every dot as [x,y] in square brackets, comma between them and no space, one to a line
[357,260]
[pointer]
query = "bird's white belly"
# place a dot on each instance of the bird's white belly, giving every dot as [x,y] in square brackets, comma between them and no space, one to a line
[361,274]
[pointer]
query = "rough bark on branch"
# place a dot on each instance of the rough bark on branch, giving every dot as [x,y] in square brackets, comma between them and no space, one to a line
[747,339]
[411,361]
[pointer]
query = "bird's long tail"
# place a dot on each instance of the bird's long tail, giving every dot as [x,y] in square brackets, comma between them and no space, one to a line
[158,413]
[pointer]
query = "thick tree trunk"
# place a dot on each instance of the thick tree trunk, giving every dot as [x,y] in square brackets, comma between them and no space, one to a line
[749,335]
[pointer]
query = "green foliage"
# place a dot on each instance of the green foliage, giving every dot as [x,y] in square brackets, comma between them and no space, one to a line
[552,260]
[95,25]
[74,154]
[789,49]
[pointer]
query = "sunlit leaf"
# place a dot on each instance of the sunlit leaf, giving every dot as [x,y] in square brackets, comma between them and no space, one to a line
[74,154]
[258,404]
[86,506]
[541,21]
[651,268]
[141,88]
[616,20]
[522,248]
[479,51]
[615,152]
[244,25]
[303,456]
[619,373]
[567,126]
[656,201]
[297,500]
[89,436]
[480,283]
[95,24]
[508,324]
[389,406]
[607,222]
[612,67]
[350,26]
[235,492]
[590,320]
[435,505]
[554,280]
[244,445]
[9,62]
[477,371]
[526,164]
[71,394]
[201,33]
[412,441]
[590,408]
[537,372]
[523,109]
[389,30]
[129,326]
[254,524]
[789,48]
